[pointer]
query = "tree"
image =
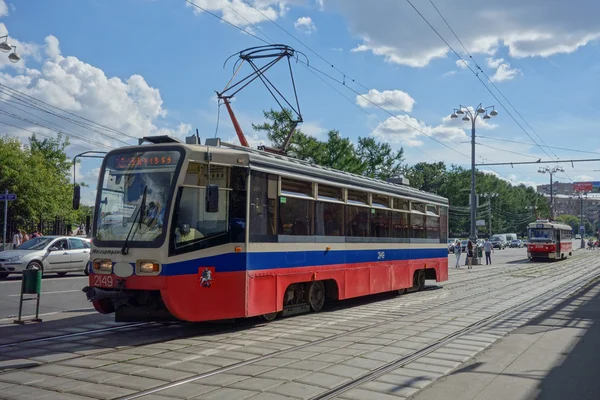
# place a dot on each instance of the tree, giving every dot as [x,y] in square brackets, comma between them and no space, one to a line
[427,177]
[339,153]
[380,160]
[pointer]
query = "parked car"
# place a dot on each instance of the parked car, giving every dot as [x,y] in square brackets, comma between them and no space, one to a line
[516,243]
[578,236]
[50,254]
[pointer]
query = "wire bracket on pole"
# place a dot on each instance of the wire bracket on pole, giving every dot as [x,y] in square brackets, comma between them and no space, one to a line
[270,55]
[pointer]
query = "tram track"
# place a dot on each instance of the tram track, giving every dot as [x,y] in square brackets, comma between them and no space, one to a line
[393,316]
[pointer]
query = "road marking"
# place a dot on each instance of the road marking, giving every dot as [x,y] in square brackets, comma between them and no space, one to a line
[55,278]
[60,291]
[50,313]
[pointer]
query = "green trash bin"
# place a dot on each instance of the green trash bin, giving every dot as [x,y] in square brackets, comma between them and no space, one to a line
[32,281]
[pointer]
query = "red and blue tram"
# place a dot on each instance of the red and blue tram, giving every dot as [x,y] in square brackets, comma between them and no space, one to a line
[549,240]
[198,233]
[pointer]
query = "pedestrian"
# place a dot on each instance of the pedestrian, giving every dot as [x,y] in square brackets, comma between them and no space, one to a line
[457,252]
[25,237]
[489,249]
[17,239]
[470,254]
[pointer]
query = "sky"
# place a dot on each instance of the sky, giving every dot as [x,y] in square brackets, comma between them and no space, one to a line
[392,69]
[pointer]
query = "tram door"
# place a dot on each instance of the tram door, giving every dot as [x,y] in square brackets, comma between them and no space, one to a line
[558,244]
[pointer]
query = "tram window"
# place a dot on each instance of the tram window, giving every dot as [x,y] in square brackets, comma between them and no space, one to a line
[432,210]
[295,187]
[198,175]
[263,207]
[433,227]
[295,216]
[331,193]
[329,218]
[380,223]
[237,204]
[356,197]
[443,224]
[419,207]
[401,204]
[417,226]
[193,223]
[380,201]
[400,224]
[357,221]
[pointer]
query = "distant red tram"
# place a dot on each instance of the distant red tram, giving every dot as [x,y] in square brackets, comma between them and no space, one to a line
[549,240]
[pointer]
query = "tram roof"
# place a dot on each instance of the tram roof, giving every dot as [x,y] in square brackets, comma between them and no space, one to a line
[549,225]
[294,168]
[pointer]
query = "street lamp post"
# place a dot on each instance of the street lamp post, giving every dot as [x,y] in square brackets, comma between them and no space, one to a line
[580,195]
[472,116]
[551,171]
[6,47]
[489,197]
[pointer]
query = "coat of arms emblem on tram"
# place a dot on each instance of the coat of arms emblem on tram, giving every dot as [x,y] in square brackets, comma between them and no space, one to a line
[206,278]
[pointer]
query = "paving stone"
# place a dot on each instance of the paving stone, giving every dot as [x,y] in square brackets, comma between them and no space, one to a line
[22,377]
[439,362]
[275,362]
[55,370]
[251,370]
[187,391]
[269,396]
[362,394]
[238,355]
[309,365]
[6,384]
[223,379]
[17,363]
[138,383]
[389,388]
[380,356]
[19,392]
[123,368]
[364,363]
[297,390]
[58,384]
[323,380]
[100,391]
[409,381]
[286,374]
[448,357]
[227,394]
[429,368]
[144,351]
[54,357]
[258,384]
[155,397]
[348,352]
[217,361]
[345,371]
[86,362]
[299,354]
[163,374]
[196,367]
[60,396]
[95,375]
[330,358]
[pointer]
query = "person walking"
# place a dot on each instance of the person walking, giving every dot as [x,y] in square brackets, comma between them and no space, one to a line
[17,239]
[470,254]
[457,252]
[489,249]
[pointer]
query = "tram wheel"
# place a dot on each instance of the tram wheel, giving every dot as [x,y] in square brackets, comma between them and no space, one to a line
[419,282]
[316,295]
[269,317]
[401,291]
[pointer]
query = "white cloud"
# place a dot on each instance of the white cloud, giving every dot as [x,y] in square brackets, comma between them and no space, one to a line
[505,73]
[240,13]
[388,100]
[406,130]
[3,9]
[494,62]
[449,73]
[52,46]
[131,105]
[23,49]
[394,30]
[313,129]
[305,25]
[463,64]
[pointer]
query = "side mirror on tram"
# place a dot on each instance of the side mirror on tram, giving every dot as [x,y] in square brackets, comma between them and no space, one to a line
[212,198]
[76,197]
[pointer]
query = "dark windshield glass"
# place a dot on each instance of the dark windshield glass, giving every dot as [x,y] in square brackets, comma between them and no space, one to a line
[125,178]
[541,234]
[38,243]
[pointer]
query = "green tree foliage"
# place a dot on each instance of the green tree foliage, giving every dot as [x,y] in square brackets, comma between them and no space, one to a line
[369,158]
[39,173]
[575,222]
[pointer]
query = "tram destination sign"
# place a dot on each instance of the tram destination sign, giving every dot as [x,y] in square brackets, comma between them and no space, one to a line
[589,187]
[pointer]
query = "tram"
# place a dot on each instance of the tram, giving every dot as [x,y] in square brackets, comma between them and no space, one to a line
[217,231]
[549,240]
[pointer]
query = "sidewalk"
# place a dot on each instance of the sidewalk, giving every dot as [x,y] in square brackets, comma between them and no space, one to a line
[555,356]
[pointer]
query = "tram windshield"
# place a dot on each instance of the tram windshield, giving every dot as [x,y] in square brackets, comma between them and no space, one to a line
[541,234]
[120,205]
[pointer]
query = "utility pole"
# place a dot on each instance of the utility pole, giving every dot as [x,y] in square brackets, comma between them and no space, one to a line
[472,117]
[490,196]
[551,171]
[5,218]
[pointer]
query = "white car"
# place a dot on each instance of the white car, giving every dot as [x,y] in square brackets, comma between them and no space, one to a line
[51,254]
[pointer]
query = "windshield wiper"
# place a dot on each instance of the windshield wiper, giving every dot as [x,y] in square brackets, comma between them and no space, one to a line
[140,213]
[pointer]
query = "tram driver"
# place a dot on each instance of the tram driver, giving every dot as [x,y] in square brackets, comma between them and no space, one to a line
[185,233]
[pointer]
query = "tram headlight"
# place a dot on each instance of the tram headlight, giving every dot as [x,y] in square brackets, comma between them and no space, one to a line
[147,267]
[102,265]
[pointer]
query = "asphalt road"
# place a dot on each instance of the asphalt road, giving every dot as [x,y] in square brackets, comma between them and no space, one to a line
[58,294]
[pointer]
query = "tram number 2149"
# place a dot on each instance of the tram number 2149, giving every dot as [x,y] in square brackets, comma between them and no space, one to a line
[104,281]
[381,255]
